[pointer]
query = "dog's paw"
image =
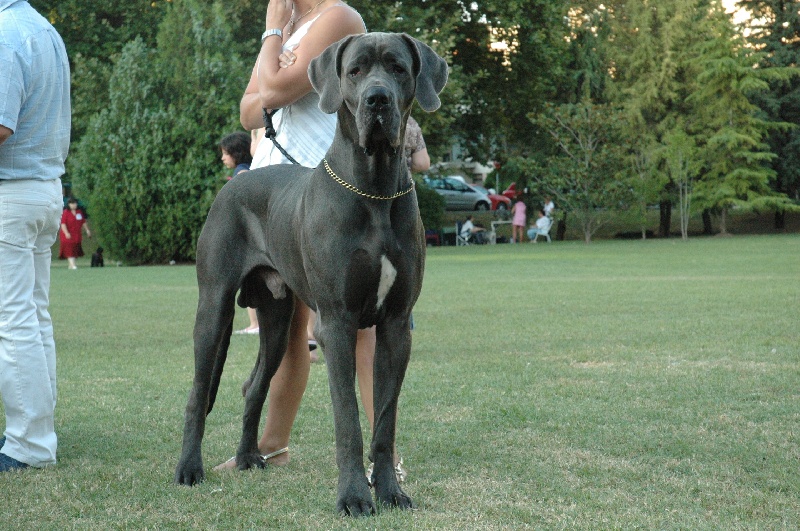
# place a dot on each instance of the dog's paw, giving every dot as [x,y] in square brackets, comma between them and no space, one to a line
[393,496]
[250,460]
[189,473]
[389,494]
[355,501]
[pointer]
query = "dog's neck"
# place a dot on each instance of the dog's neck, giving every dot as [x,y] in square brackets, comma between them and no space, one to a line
[384,170]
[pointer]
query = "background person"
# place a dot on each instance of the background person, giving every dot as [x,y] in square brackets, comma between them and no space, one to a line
[470,230]
[549,206]
[235,149]
[519,219]
[416,151]
[34,141]
[73,223]
[542,225]
[237,154]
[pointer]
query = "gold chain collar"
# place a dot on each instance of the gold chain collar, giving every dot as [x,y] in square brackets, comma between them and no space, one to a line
[362,193]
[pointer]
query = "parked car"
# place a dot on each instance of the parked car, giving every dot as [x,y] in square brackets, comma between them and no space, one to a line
[499,202]
[458,195]
[511,191]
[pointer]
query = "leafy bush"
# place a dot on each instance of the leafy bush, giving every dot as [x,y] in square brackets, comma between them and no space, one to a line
[149,161]
[431,206]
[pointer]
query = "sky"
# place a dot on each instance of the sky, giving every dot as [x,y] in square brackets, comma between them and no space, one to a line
[740,14]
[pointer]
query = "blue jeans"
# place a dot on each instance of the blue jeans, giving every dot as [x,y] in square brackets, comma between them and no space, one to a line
[532,233]
[30,216]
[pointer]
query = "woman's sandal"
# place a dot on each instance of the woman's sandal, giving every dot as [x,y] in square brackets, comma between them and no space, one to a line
[399,472]
[264,457]
[275,453]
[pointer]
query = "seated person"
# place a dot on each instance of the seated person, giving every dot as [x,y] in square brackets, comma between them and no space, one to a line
[470,229]
[549,206]
[542,226]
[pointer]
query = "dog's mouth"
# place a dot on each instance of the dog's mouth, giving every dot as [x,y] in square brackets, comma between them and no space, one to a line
[379,131]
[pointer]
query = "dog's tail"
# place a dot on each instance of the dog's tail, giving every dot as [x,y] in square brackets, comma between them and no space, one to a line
[216,374]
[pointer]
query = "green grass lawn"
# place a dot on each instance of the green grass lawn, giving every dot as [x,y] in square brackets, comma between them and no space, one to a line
[623,384]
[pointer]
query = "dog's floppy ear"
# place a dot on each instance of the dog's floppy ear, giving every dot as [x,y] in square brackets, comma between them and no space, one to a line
[324,71]
[431,73]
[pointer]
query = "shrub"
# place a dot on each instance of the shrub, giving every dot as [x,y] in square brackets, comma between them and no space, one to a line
[148,163]
[431,206]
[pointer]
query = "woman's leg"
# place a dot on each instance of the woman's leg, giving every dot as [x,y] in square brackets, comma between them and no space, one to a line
[365,363]
[285,391]
[312,319]
[251,313]
[287,387]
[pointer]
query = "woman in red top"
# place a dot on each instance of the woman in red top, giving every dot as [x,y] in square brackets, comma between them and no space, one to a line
[73,221]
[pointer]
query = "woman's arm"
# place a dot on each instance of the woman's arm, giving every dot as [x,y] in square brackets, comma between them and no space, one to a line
[277,81]
[420,160]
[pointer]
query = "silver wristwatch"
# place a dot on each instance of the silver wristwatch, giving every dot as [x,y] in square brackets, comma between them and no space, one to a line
[271,32]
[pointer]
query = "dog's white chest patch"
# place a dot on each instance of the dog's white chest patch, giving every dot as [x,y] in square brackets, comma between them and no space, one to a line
[388,274]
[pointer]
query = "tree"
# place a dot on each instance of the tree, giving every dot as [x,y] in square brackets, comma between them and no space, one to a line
[652,47]
[582,175]
[101,28]
[149,161]
[679,152]
[775,31]
[645,180]
[737,171]
[495,87]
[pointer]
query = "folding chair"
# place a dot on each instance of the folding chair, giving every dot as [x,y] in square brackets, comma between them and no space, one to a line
[544,232]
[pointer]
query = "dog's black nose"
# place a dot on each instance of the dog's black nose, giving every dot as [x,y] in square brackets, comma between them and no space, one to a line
[376,97]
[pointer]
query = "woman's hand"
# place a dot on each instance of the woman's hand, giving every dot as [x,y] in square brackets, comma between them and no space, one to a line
[286,59]
[278,14]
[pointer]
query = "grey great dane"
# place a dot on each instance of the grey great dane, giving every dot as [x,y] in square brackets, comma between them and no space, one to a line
[345,238]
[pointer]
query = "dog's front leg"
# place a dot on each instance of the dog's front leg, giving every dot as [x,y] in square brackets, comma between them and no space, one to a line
[392,352]
[353,495]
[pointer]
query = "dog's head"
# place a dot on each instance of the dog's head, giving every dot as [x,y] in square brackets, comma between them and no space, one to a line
[377,76]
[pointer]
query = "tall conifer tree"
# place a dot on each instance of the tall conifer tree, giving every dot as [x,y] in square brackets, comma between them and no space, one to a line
[775,30]
[737,170]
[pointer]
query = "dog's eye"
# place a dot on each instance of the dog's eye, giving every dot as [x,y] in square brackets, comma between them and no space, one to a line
[355,72]
[397,69]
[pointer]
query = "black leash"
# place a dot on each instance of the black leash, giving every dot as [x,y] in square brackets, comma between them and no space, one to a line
[269,132]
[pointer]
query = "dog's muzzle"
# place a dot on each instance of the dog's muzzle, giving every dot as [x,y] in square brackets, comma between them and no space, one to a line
[379,122]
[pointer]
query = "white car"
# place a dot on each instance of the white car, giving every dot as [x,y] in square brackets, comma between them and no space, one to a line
[458,195]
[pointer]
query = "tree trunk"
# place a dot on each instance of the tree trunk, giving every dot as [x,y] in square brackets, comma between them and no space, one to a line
[723,221]
[561,229]
[780,220]
[666,218]
[708,229]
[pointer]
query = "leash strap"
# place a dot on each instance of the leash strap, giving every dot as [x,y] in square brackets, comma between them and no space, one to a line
[269,132]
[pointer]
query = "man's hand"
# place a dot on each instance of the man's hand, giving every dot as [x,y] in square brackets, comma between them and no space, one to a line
[5,134]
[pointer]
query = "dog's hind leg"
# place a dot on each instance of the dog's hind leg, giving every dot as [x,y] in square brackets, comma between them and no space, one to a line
[219,364]
[274,320]
[213,323]
[392,352]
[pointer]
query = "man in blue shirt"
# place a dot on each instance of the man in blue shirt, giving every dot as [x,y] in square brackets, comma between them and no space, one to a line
[34,140]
